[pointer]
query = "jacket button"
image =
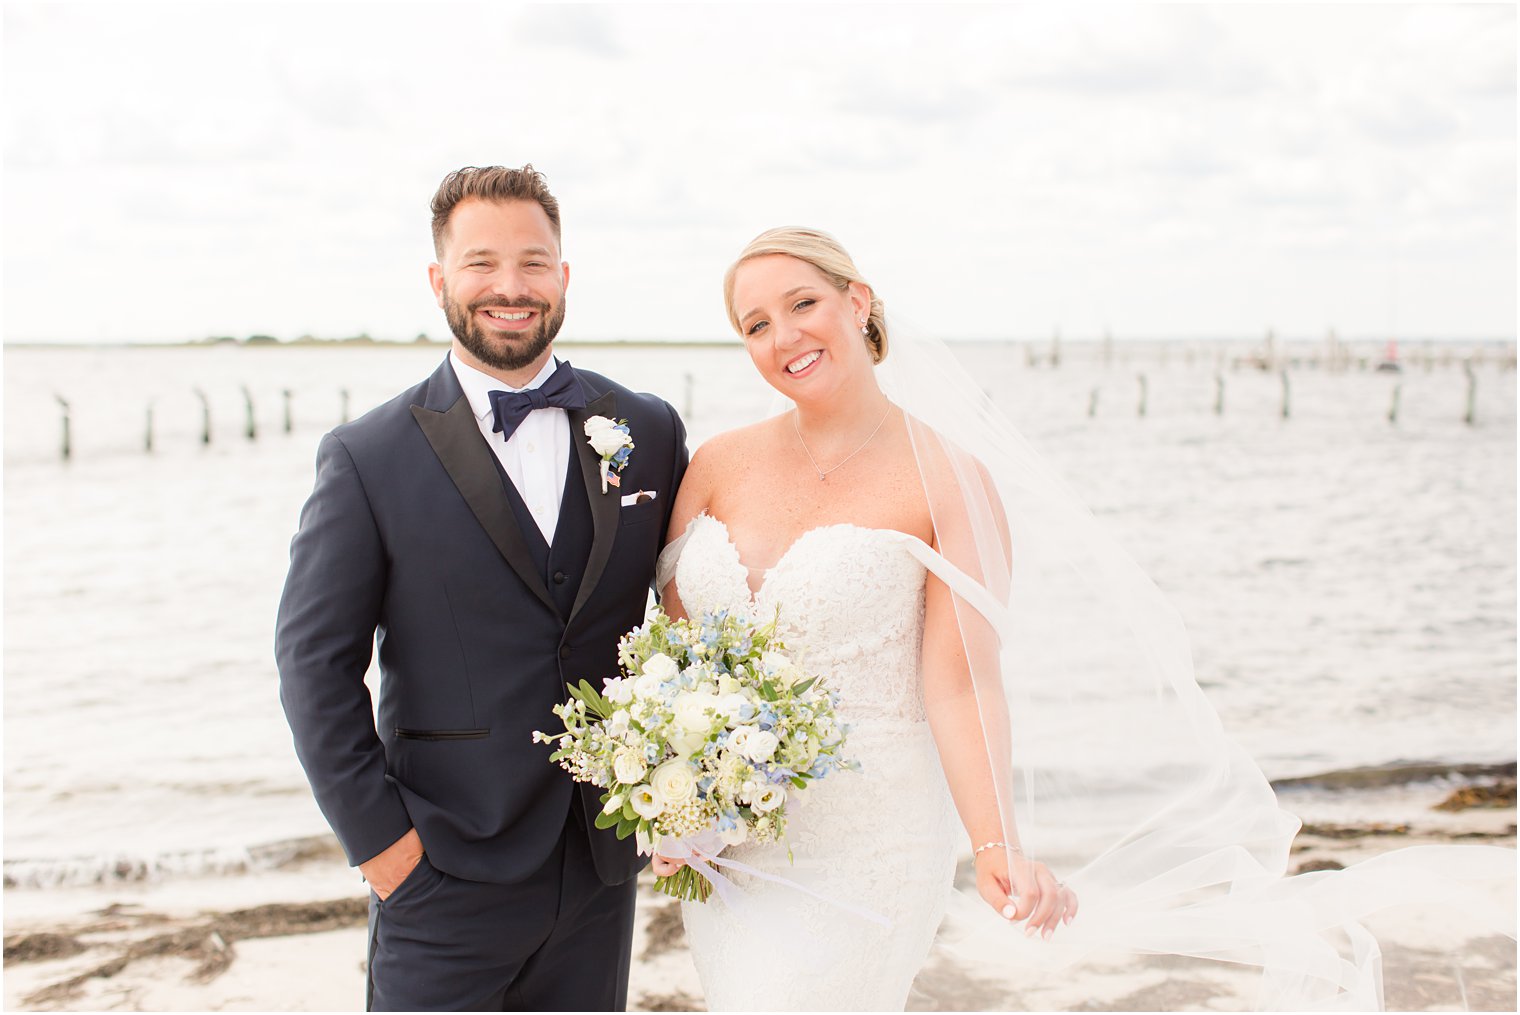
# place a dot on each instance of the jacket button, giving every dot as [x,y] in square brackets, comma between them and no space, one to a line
[559,577]
[564,651]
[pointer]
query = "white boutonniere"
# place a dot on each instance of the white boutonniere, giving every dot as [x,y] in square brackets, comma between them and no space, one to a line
[610,439]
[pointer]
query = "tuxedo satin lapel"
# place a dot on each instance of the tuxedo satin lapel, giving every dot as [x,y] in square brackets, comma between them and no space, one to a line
[604,506]
[455,438]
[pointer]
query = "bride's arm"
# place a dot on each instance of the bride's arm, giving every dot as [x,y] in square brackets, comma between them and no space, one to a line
[968,713]
[1012,884]
[691,500]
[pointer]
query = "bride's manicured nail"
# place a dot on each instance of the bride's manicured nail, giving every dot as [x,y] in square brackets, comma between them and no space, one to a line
[1008,912]
[1048,931]
[1029,931]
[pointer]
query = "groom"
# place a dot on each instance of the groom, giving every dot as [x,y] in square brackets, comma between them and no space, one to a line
[470,530]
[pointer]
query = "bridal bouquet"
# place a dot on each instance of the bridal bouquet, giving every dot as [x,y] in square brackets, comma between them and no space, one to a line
[701,739]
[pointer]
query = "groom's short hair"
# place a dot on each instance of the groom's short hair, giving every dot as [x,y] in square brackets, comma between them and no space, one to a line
[490,183]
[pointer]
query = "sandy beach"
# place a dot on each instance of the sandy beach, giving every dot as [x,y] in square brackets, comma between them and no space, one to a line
[292,938]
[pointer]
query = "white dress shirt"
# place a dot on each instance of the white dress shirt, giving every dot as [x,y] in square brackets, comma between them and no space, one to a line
[538,455]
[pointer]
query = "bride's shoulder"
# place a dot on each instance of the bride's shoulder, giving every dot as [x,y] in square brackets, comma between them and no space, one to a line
[729,451]
[716,464]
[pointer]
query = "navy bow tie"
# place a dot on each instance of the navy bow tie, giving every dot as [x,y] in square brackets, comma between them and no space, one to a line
[560,391]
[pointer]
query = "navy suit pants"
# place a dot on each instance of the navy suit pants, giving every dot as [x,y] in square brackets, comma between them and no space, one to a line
[556,941]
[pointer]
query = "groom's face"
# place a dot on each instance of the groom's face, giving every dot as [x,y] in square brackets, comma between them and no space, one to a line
[501,284]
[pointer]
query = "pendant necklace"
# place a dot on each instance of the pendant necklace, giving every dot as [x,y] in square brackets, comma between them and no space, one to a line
[823,473]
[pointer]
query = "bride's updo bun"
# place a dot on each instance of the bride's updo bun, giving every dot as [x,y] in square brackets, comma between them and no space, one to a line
[823,252]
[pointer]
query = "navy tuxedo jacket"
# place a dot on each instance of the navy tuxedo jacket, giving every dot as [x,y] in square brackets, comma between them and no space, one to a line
[410,542]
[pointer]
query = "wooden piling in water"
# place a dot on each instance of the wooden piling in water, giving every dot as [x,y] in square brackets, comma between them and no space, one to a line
[343,405]
[1471,415]
[1218,393]
[1393,407]
[148,428]
[1285,392]
[250,427]
[67,448]
[1092,404]
[289,423]
[205,415]
[1144,392]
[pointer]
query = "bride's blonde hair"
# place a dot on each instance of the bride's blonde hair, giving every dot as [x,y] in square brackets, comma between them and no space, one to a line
[823,252]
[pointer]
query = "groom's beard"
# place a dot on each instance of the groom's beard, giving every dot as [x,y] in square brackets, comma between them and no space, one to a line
[511,353]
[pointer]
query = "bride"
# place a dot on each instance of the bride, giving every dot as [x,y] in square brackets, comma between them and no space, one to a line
[999,659]
[820,514]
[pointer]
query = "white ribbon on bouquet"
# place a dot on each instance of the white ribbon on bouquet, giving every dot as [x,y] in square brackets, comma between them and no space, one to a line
[701,854]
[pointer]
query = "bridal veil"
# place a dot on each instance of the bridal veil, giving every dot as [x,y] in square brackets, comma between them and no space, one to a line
[1111,766]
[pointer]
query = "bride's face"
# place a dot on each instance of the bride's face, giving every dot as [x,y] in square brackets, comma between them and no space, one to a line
[802,334]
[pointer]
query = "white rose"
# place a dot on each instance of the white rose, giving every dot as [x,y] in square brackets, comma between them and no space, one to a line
[675,781]
[692,711]
[781,668]
[762,745]
[598,427]
[729,685]
[732,705]
[607,441]
[738,739]
[646,686]
[774,661]
[735,835]
[661,667]
[617,690]
[646,802]
[686,743]
[628,766]
[768,798]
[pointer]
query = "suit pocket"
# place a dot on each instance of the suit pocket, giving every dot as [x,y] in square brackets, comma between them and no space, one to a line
[633,514]
[406,734]
[415,882]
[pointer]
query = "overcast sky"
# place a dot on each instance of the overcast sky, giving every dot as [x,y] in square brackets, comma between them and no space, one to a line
[178,171]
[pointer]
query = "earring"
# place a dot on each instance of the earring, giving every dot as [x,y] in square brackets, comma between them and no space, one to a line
[863,329]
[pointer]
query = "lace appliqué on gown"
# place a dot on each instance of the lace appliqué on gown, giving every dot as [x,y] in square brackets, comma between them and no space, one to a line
[851,602]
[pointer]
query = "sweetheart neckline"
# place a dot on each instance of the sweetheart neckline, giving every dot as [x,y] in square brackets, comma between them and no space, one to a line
[766,572]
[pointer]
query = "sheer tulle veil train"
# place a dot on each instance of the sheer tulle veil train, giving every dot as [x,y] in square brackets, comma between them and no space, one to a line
[1111,765]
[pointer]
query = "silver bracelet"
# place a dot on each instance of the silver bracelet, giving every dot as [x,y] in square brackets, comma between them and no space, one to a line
[988,845]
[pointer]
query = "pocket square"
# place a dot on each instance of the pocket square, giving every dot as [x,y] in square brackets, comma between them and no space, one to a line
[638,497]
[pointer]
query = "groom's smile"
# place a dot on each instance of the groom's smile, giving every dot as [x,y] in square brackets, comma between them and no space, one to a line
[513,319]
[516,317]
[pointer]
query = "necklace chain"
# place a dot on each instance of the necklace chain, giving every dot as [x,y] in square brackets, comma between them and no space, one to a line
[823,473]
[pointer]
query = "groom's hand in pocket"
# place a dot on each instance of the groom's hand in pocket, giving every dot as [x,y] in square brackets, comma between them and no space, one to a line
[387,869]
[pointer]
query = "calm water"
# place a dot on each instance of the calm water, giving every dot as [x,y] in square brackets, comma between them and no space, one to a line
[1349,585]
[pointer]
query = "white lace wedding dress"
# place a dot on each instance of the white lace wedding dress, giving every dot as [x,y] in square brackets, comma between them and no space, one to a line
[851,601]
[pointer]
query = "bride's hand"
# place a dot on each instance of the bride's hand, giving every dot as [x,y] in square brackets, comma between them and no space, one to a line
[665,866]
[1027,889]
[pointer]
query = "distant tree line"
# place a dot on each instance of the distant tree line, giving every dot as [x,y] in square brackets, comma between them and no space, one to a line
[362,338]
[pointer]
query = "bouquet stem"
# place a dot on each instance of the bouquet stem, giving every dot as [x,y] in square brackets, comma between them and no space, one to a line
[686,885]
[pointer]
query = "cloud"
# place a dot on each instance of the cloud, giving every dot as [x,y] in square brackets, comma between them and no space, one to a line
[586,29]
[1004,164]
